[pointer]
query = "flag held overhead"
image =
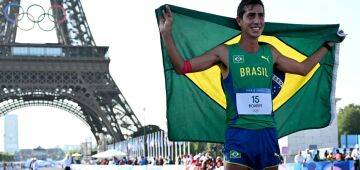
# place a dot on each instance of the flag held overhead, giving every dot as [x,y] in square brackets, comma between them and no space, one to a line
[196,102]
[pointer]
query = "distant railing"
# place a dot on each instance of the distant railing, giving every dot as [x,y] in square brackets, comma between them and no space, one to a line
[157,144]
[52,50]
[326,165]
[136,167]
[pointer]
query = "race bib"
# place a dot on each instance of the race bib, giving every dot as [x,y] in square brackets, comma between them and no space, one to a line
[255,101]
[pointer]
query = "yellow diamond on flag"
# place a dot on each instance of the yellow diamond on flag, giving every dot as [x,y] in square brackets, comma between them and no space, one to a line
[209,81]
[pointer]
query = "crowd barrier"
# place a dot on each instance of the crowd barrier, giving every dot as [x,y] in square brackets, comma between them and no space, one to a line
[324,165]
[129,167]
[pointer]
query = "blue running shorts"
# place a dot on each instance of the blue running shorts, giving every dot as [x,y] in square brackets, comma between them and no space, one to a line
[256,149]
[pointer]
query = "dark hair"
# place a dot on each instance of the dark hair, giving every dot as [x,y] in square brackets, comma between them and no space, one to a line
[241,8]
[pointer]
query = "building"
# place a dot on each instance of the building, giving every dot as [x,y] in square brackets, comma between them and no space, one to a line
[309,139]
[68,148]
[40,154]
[11,138]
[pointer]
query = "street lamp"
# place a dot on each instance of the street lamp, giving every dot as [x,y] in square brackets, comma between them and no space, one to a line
[145,138]
[337,99]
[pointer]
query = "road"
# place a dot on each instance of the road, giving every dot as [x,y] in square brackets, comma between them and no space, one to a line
[46,169]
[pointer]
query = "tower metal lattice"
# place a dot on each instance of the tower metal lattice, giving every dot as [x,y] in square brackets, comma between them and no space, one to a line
[72,74]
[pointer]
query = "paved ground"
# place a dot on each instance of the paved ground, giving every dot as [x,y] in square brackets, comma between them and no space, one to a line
[47,169]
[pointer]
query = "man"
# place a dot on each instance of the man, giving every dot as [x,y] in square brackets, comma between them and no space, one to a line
[143,161]
[355,154]
[317,156]
[308,156]
[67,162]
[35,165]
[299,159]
[251,136]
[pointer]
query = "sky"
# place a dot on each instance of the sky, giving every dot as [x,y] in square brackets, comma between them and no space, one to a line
[130,30]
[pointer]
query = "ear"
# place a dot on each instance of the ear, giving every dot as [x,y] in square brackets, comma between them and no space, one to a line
[238,20]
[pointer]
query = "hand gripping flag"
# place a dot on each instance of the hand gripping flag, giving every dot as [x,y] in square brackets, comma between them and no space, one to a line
[196,101]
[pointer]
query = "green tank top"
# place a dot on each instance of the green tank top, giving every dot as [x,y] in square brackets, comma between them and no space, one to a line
[248,71]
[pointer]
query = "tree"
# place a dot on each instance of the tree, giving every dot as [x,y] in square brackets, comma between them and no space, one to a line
[6,157]
[201,147]
[348,120]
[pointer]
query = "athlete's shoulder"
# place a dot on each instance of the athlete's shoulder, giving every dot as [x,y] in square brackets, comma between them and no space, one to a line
[274,52]
[220,50]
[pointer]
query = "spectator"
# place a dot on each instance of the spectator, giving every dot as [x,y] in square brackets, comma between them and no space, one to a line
[104,161]
[326,154]
[178,160]
[30,165]
[330,156]
[116,160]
[219,162]
[308,156]
[143,161]
[153,162]
[111,161]
[317,156]
[35,165]
[338,155]
[188,159]
[168,161]
[135,161]
[129,162]
[124,161]
[356,155]
[348,156]
[160,161]
[67,162]
[299,159]
[343,155]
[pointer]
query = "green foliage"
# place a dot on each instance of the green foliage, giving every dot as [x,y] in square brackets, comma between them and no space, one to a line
[93,152]
[6,157]
[201,147]
[348,120]
[70,152]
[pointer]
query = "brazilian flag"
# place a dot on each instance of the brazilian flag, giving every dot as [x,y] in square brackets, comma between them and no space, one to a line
[196,101]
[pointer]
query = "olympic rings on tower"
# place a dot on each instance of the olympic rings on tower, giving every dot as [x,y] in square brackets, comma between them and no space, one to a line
[16,17]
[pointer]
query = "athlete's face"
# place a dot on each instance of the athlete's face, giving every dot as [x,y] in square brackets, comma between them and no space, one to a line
[252,22]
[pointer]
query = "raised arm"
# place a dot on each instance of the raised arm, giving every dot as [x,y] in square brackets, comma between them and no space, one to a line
[288,65]
[203,62]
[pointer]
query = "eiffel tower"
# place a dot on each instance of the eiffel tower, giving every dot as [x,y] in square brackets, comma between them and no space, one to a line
[72,75]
